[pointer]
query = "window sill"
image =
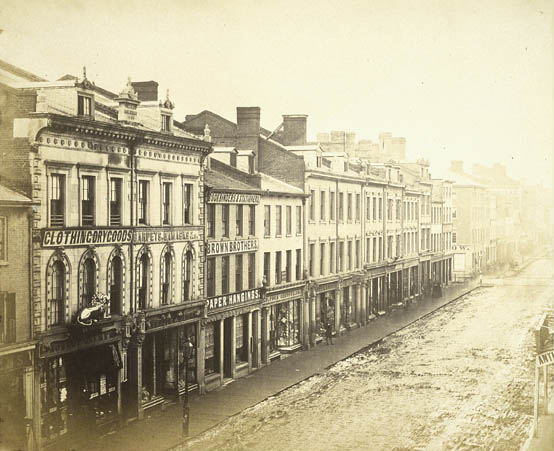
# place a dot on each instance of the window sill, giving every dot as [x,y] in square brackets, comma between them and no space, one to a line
[4,263]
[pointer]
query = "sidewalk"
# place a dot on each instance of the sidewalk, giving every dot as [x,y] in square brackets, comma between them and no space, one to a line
[544,441]
[162,429]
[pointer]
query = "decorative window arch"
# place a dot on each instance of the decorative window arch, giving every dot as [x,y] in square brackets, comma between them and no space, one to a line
[88,277]
[116,288]
[167,275]
[188,273]
[143,294]
[58,273]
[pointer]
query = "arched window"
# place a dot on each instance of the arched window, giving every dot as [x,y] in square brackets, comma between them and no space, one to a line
[56,299]
[116,282]
[166,277]
[187,277]
[144,273]
[89,282]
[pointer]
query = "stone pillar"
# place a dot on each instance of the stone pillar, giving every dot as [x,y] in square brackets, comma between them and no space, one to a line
[256,360]
[338,304]
[359,303]
[135,378]
[265,336]
[386,285]
[311,319]
[305,325]
[363,302]
[200,357]
[250,344]
[221,324]
[233,345]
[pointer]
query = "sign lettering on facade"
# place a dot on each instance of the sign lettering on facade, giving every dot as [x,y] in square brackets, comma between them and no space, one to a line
[233,198]
[231,247]
[286,295]
[545,359]
[80,237]
[227,300]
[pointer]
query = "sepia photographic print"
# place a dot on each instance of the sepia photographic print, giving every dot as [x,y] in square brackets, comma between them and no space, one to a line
[264,225]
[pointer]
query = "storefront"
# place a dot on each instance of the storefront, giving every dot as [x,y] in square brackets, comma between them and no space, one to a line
[284,319]
[16,395]
[232,337]
[80,383]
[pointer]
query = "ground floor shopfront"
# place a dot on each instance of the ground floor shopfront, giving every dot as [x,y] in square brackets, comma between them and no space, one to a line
[232,337]
[19,423]
[79,376]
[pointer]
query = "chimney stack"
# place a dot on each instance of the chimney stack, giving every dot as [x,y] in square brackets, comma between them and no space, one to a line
[294,129]
[248,128]
[147,91]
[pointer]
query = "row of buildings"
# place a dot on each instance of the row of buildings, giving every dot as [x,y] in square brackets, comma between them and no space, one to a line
[244,242]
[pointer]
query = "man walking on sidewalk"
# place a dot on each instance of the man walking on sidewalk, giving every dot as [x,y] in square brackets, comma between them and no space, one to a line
[329,333]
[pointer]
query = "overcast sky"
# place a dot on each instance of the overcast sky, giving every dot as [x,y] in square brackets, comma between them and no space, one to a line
[460,79]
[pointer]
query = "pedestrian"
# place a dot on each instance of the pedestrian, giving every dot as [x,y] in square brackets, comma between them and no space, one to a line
[329,333]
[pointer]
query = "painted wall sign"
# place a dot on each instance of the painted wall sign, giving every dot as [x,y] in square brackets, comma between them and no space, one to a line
[227,300]
[286,295]
[231,246]
[545,359]
[99,236]
[233,198]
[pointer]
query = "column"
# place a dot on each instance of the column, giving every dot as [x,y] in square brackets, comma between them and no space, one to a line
[135,378]
[250,344]
[233,346]
[306,341]
[364,304]
[338,304]
[37,433]
[265,336]
[359,316]
[200,357]
[221,324]
[312,321]
[256,322]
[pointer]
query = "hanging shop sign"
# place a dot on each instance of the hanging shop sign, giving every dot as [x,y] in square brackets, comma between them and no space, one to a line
[231,246]
[84,237]
[228,300]
[233,198]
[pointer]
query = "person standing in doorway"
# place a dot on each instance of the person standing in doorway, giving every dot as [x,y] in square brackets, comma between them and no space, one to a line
[329,333]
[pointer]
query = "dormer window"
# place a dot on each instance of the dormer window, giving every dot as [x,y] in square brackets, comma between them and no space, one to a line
[166,122]
[84,105]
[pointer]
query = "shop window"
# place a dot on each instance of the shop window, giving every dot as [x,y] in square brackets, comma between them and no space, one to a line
[289,220]
[166,203]
[211,363]
[211,220]
[251,270]
[298,219]
[84,105]
[3,239]
[278,275]
[278,221]
[57,201]
[210,277]
[167,271]
[238,273]
[115,202]
[272,329]
[56,300]
[87,200]
[241,331]
[7,317]
[187,277]
[225,220]
[53,396]
[143,201]
[187,203]
[298,264]
[116,284]
[288,323]
[238,221]
[252,220]
[144,271]
[225,274]
[89,282]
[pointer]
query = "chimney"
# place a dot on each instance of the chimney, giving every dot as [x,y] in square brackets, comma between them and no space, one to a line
[457,166]
[248,128]
[294,129]
[147,91]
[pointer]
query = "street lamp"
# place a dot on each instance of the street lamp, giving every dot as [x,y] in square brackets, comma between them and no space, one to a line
[187,352]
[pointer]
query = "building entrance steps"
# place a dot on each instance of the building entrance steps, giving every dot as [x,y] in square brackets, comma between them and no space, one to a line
[161,430]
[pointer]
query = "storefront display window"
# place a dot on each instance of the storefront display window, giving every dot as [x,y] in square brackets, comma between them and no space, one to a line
[272,329]
[346,307]
[327,311]
[288,323]
[53,390]
[241,339]
[184,333]
[211,364]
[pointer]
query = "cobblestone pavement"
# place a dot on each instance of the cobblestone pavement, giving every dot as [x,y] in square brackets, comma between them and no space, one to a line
[458,379]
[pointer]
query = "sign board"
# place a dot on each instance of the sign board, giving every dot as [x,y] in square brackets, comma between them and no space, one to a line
[545,359]
[233,198]
[231,246]
[286,295]
[227,300]
[98,236]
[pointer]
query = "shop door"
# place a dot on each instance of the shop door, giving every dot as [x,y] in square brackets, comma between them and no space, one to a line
[227,348]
